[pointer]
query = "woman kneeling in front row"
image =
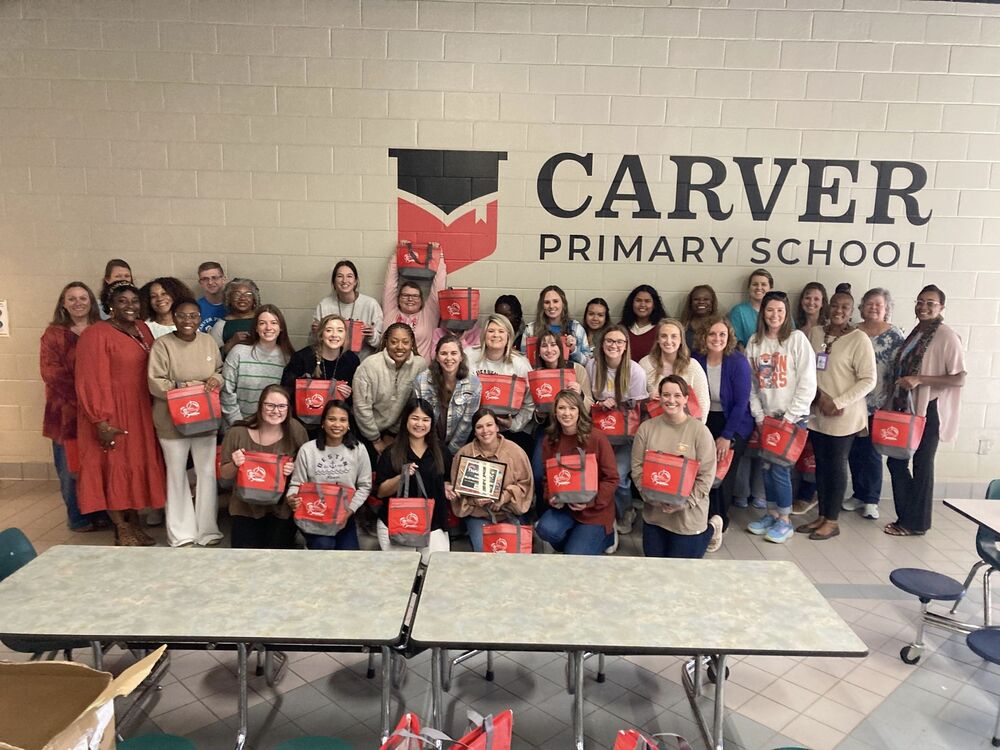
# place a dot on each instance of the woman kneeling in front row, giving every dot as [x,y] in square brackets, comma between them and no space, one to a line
[682,530]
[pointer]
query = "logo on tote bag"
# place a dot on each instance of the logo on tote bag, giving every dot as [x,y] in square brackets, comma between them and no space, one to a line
[773,438]
[660,478]
[499,546]
[609,422]
[315,400]
[544,391]
[256,474]
[316,507]
[409,521]
[562,479]
[492,394]
[890,434]
[190,409]
[449,197]
[454,310]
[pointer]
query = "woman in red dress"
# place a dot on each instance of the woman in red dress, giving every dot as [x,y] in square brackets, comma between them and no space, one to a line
[121,469]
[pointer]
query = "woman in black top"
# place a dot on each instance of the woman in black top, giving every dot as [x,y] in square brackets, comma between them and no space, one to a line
[419,453]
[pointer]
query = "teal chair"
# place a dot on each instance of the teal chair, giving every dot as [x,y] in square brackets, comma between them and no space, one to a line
[315,743]
[16,551]
[988,556]
[157,742]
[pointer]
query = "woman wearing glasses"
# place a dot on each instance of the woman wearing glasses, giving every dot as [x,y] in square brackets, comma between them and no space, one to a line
[242,298]
[929,373]
[618,383]
[270,429]
[783,386]
[404,302]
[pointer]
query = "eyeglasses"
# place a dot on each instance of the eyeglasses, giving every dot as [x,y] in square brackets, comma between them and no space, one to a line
[275,407]
[409,296]
[211,278]
[243,295]
[617,343]
[927,303]
[187,316]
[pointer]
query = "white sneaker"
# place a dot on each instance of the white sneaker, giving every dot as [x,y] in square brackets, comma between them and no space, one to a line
[851,503]
[716,523]
[871,511]
[625,523]
[614,545]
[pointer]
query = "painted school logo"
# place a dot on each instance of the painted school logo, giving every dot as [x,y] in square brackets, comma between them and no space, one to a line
[660,478]
[409,521]
[562,478]
[256,474]
[315,400]
[190,410]
[448,197]
[492,393]
[889,434]
[499,546]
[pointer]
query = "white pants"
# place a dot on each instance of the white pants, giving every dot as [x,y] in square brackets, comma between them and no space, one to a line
[187,522]
[439,542]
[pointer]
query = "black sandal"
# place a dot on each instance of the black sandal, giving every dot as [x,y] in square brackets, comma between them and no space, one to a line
[894,529]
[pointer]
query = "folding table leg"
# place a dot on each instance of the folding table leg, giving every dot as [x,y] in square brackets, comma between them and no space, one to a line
[577,659]
[386,689]
[437,697]
[241,735]
[720,681]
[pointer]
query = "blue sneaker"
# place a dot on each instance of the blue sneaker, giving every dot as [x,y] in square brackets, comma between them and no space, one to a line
[762,525]
[758,502]
[779,532]
[740,502]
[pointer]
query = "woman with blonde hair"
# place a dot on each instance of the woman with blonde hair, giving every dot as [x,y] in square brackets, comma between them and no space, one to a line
[671,356]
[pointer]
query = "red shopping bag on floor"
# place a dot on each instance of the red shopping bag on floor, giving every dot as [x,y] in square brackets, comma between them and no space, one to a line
[572,478]
[324,508]
[531,349]
[311,397]
[781,442]
[633,739]
[488,733]
[507,537]
[194,410]
[897,434]
[406,736]
[667,479]
[261,479]
[722,467]
[354,337]
[806,465]
[410,518]
[504,394]
[545,386]
[753,444]
[618,425]
[417,262]
[458,307]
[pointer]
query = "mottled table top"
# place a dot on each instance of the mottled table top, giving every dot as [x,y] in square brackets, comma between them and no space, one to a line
[984,512]
[223,595]
[621,605]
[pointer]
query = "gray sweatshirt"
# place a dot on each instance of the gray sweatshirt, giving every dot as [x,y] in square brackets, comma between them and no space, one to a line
[349,467]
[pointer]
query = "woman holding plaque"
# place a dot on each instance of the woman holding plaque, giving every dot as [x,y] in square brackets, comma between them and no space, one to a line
[516,487]
[682,529]
[581,528]
[334,457]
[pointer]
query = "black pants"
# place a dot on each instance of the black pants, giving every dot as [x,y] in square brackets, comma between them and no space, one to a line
[913,493]
[831,471]
[268,532]
[720,498]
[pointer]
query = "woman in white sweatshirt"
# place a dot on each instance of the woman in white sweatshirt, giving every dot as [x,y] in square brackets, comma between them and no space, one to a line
[335,457]
[783,386]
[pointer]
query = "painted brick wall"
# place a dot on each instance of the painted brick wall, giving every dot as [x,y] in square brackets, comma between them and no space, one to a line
[257,133]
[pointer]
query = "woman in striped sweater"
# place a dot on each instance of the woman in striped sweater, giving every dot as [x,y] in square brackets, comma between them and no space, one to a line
[250,368]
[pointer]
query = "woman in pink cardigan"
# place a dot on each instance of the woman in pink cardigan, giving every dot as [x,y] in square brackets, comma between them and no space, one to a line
[929,375]
[404,302]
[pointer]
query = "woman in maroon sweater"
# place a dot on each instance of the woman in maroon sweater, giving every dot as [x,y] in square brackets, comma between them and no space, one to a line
[586,528]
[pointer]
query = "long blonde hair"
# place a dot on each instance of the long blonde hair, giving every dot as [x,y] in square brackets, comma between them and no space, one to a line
[683,357]
[622,374]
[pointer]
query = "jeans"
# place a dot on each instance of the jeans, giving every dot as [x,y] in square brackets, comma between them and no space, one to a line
[658,542]
[623,494]
[267,532]
[565,534]
[346,538]
[866,469]
[777,487]
[67,488]
[831,471]
[913,494]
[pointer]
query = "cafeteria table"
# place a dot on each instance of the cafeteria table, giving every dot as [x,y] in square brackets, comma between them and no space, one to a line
[624,606]
[212,597]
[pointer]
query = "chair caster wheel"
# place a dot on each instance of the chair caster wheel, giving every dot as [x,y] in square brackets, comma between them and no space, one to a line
[904,654]
[601,677]
[370,674]
[712,675]
[489,675]
[995,742]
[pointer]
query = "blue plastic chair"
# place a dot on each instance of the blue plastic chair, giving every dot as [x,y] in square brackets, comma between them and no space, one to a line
[985,643]
[16,551]
[989,555]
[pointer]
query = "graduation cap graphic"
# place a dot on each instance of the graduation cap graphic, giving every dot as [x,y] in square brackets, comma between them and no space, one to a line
[448,197]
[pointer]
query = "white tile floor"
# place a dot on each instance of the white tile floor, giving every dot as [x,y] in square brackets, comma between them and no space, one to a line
[948,700]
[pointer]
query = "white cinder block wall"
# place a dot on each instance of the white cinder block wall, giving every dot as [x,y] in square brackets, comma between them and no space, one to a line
[257,133]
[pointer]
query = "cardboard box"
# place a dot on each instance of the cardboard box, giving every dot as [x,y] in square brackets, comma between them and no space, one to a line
[53,705]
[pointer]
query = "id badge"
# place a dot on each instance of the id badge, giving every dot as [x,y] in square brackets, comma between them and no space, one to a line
[821,360]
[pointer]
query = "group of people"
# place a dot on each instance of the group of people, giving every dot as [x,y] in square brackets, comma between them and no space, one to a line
[406,405]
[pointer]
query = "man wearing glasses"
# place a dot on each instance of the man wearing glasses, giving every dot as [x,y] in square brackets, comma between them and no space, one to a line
[212,280]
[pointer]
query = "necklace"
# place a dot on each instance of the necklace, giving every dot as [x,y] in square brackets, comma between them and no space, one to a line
[136,337]
[829,339]
[340,312]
